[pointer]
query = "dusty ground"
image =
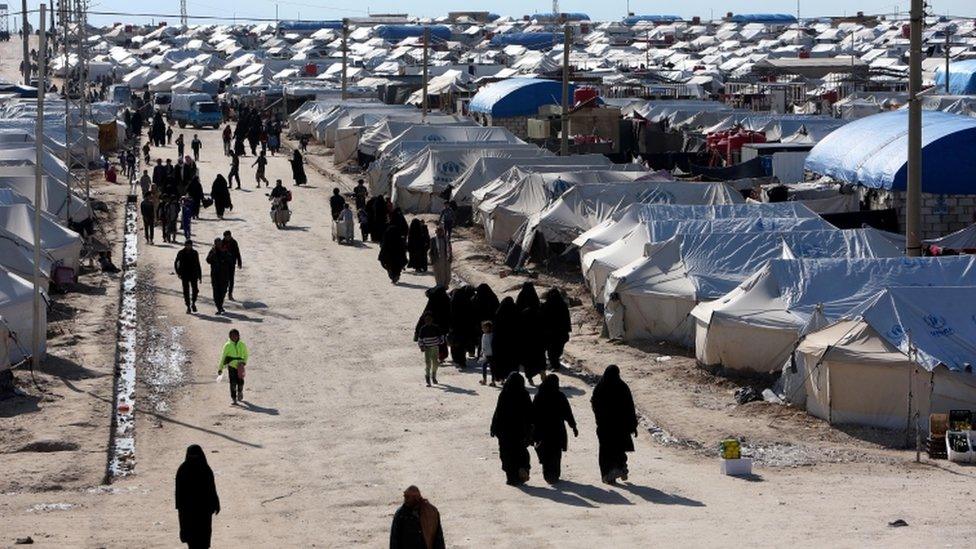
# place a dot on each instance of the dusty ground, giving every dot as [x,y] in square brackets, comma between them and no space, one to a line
[338,421]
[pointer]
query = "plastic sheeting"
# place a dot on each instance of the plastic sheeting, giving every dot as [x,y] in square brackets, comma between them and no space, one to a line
[475,135]
[756,326]
[485,170]
[54,196]
[873,152]
[530,40]
[503,214]
[517,97]
[17,256]
[394,125]
[624,221]
[659,289]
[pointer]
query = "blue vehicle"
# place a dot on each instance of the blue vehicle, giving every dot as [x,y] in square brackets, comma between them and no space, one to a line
[195,109]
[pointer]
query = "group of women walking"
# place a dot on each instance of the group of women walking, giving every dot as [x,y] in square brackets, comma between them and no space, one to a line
[529,334]
[520,422]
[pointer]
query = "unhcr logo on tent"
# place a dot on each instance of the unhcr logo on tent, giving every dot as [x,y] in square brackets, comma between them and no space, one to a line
[448,171]
[938,325]
[434,138]
[896,333]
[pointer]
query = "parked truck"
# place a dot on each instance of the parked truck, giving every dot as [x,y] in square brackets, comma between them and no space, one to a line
[195,109]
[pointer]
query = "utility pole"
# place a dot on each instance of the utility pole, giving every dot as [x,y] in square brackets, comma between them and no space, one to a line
[947,46]
[647,50]
[23,26]
[345,37]
[913,217]
[564,119]
[38,180]
[183,19]
[424,103]
[277,25]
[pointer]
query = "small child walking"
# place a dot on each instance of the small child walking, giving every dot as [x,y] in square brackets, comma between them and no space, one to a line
[430,338]
[363,223]
[487,335]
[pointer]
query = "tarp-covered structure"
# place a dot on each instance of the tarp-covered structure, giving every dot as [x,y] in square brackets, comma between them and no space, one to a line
[661,286]
[63,245]
[17,315]
[904,350]
[486,170]
[517,97]
[756,326]
[962,77]
[873,152]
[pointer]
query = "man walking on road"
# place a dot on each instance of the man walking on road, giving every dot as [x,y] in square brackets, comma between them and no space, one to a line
[148,210]
[260,162]
[234,358]
[220,265]
[416,524]
[187,267]
[231,247]
[180,146]
[195,147]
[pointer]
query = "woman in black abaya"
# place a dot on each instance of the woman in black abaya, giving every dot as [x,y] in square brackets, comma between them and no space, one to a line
[532,348]
[551,413]
[393,254]
[505,341]
[220,194]
[418,244]
[616,420]
[555,326]
[512,426]
[196,499]
[397,220]
[378,218]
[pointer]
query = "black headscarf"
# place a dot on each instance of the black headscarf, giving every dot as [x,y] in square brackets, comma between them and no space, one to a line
[613,407]
[551,412]
[513,412]
[527,297]
[485,303]
[195,487]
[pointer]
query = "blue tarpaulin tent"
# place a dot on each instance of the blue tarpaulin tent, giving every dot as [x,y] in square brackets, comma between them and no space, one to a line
[873,152]
[632,20]
[531,40]
[306,26]
[962,77]
[767,18]
[560,17]
[395,33]
[517,97]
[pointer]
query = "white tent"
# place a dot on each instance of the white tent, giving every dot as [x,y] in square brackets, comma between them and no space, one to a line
[17,314]
[659,288]
[62,244]
[417,184]
[623,222]
[164,82]
[450,134]
[17,256]
[485,170]
[54,195]
[756,326]
[22,157]
[585,207]
[504,213]
[903,344]
[394,125]
[598,264]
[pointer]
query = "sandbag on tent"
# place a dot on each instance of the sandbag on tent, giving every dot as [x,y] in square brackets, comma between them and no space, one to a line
[621,223]
[599,263]
[585,207]
[54,196]
[503,214]
[659,290]
[418,183]
[17,315]
[17,256]
[485,170]
[62,244]
[755,327]
[903,344]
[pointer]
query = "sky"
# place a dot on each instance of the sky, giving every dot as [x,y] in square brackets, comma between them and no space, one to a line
[600,11]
